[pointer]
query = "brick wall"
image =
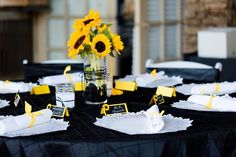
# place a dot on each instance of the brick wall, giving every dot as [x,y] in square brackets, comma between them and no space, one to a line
[201,14]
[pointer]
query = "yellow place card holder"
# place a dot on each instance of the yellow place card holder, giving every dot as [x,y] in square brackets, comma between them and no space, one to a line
[125,85]
[80,86]
[38,90]
[114,108]
[166,91]
[58,111]
[157,99]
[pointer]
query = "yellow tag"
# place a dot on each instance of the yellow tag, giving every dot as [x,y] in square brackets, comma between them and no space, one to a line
[79,86]
[116,92]
[162,112]
[38,90]
[67,69]
[165,91]
[127,86]
[114,108]
[154,72]
[17,99]
[217,88]
[209,104]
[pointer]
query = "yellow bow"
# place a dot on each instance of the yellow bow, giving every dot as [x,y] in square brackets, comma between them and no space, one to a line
[67,69]
[28,109]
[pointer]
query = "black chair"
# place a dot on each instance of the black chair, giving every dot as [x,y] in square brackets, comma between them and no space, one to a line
[189,71]
[33,71]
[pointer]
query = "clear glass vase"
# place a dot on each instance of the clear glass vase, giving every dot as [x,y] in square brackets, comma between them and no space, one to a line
[95,72]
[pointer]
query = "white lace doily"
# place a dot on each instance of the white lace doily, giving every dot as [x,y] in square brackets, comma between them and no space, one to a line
[207,88]
[15,87]
[146,80]
[182,104]
[4,103]
[186,88]
[52,126]
[134,123]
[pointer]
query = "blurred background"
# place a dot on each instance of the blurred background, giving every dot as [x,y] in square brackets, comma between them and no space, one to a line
[163,30]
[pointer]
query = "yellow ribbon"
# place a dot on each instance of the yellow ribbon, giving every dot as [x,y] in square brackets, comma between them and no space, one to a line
[7,82]
[217,88]
[209,104]
[157,113]
[105,107]
[67,69]
[28,109]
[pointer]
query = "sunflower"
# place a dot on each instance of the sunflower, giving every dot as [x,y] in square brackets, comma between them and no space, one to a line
[117,43]
[76,43]
[91,20]
[101,45]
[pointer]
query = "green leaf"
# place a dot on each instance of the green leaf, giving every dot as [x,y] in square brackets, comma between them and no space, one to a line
[112,54]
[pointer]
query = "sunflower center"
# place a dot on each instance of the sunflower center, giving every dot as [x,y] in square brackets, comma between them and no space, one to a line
[88,21]
[79,42]
[100,46]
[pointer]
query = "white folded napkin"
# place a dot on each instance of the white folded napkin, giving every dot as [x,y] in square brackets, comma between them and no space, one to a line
[65,98]
[217,103]
[14,87]
[61,79]
[214,88]
[143,122]
[4,103]
[14,123]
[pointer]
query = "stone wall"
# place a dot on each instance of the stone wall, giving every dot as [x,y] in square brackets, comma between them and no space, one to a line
[201,14]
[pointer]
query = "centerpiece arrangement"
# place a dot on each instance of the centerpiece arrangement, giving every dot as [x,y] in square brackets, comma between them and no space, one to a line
[93,41]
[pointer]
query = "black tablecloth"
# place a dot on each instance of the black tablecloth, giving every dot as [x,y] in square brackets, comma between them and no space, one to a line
[212,134]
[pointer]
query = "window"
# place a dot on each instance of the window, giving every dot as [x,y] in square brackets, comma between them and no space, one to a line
[52,29]
[157,32]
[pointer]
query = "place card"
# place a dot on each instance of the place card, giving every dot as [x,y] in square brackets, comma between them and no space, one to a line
[157,99]
[58,111]
[16,99]
[80,86]
[114,108]
[64,87]
[39,90]
[166,91]
[126,85]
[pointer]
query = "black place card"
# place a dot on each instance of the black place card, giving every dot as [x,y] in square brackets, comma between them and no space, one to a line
[58,111]
[114,108]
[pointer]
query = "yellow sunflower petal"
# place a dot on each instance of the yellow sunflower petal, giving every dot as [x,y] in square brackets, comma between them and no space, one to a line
[117,43]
